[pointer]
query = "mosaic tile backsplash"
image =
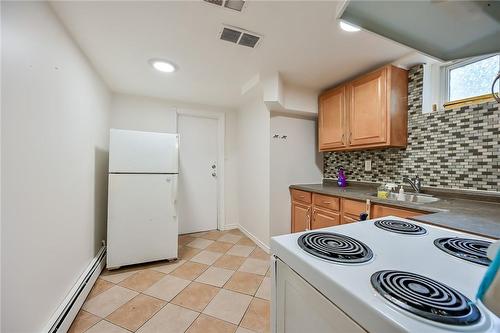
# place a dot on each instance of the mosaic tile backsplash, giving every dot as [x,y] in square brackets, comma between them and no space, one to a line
[456,149]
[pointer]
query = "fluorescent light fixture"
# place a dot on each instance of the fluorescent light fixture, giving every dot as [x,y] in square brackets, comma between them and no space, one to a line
[163,65]
[348,27]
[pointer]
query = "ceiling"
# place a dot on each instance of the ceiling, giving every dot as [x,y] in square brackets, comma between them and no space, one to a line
[301,40]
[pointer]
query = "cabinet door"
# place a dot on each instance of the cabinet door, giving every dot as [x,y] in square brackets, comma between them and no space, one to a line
[368,109]
[382,211]
[301,215]
[323,219]
[349,219]
[352,209]
[331,120]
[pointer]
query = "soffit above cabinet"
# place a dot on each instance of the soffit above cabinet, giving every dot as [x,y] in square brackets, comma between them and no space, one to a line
[444,29]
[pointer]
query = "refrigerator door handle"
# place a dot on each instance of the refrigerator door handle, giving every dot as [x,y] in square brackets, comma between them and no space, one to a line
[173,196]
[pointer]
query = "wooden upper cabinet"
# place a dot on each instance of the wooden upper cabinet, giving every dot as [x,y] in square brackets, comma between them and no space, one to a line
[332,119]
[370,111]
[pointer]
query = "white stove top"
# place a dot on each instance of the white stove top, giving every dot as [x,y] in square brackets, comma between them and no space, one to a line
[349,287]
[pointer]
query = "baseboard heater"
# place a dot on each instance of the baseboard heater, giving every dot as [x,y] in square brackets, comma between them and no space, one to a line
[63,317]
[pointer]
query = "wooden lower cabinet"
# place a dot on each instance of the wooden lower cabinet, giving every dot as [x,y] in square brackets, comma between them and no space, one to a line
[315,211]
[301,216]
[324,218]
[381,211]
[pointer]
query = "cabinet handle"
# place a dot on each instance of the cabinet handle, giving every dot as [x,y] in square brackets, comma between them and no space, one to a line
[310,225]
[368,208]
[302,196]
[342,140]
[350,137]
[327,202]
[308,219]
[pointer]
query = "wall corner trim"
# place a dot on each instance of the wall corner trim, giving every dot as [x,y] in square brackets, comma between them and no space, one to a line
[254,239]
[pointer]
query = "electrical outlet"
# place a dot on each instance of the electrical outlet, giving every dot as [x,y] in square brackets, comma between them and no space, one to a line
[368,165]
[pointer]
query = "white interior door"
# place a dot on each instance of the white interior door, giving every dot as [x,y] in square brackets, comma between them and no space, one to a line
[197,174]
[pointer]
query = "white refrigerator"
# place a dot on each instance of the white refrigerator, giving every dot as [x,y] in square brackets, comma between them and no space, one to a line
[142,193]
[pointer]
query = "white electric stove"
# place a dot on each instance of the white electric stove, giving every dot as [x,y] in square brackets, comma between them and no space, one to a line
[393,275]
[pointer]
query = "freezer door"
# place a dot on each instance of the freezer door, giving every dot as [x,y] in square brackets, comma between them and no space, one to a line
[142,218]
[142,152]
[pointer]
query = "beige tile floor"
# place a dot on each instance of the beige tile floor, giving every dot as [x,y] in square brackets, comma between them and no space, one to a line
[220,283]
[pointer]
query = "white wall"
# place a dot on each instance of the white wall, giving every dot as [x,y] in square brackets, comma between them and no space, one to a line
[300,98]
[54,158]
[283,97]
[143,114]
[293,161]
[253,168]
[231,184]
[157,115]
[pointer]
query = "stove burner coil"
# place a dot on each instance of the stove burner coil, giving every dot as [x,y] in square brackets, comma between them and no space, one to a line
[400,227]
[473,250]
[425,297]
[335,247]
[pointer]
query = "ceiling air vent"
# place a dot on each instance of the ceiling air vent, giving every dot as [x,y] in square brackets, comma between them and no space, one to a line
[240,36]
[248,40]
[230,4]
[230,35]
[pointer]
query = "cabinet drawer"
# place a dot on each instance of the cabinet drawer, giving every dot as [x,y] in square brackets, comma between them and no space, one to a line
[323,219]
[303,196]
[353,207]
[326,201]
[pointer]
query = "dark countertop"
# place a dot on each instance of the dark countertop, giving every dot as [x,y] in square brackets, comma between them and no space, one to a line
[451,211]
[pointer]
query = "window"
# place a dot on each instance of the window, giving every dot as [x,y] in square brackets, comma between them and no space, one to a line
[469,81]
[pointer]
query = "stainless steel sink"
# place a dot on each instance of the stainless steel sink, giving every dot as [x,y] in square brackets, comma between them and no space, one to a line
[412,197]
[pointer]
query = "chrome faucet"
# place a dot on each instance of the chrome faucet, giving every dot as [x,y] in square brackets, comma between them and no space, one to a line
[416,184]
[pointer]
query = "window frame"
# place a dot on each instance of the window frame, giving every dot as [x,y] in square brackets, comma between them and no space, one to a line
[445,84]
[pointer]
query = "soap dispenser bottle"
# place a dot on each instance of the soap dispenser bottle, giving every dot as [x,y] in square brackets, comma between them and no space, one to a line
[341,179]
[401,194]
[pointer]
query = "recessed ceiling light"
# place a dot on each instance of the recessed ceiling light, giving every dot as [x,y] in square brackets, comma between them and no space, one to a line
[162,65]
[348,27]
